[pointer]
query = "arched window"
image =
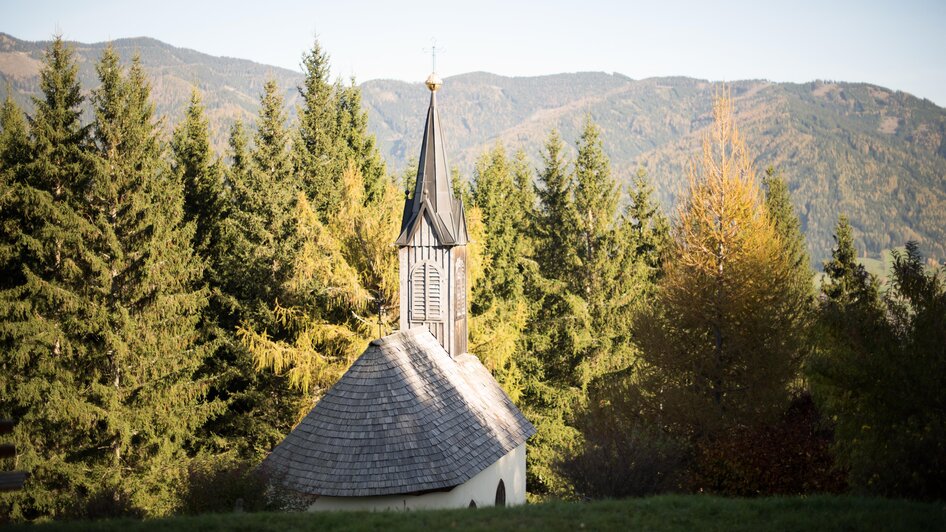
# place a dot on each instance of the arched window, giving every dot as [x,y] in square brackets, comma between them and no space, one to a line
[472,503]
[426,293]
[501,494]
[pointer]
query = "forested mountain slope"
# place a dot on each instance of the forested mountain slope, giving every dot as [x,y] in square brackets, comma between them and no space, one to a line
[876,154]
[231,87]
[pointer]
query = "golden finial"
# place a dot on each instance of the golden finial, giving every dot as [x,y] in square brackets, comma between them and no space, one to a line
[433,82]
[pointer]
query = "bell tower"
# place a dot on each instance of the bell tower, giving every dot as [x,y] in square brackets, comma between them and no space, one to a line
[432,244]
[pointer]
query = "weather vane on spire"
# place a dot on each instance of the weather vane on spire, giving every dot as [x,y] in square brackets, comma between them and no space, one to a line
[433,80]
[433,54]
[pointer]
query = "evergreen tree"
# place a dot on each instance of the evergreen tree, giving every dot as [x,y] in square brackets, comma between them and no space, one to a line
[778,202]
[498,313]
[265,202]
[149,304]
[14,142]
[595,207]
[44,309]
[493,191]
[261,232]
[525,212]
[879,374]
[647,228]
[14,156]
[610,285]
[359,145]
[846,279]
[195,167]
[238,143]
[556,215]
[721,342]
[317,151]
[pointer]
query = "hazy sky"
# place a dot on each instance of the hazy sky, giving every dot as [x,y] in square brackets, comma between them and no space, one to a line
[897,44]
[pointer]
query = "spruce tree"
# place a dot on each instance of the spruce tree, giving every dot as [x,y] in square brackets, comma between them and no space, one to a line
[879,373]
[595,207]
[359,145]
[556,215]
[147,306]
[45,309]
[14,156]
[265,201]
[609,284]
[498,311]
[194,165]
[778,202]
[494,193]
[316,147]
[525,202]
[261,233]
[846,279]
[647,229]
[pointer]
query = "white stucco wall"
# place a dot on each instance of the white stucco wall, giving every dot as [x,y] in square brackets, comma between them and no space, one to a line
[511,469]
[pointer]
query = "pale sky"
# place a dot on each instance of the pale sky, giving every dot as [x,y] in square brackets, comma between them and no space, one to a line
[896,44]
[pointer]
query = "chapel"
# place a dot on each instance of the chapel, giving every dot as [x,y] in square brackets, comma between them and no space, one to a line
[417,421]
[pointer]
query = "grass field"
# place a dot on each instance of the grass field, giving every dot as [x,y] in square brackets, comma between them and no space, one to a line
[673,512]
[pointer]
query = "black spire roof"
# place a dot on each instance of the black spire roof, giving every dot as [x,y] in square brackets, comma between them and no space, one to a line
[433,193]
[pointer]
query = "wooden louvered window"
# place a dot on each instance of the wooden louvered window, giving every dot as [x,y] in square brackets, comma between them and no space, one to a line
[426,293]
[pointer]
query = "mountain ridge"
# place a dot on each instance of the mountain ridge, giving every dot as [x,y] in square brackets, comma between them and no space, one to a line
[876,154]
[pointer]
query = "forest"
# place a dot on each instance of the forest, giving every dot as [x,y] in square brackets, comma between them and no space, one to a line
[168,313]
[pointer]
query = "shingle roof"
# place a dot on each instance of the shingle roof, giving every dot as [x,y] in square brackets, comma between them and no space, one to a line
[405,418]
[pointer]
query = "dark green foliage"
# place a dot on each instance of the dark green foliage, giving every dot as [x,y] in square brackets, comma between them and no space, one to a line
[847,281]
[622,454]
[45,309]
[194,165]
[259,232]
[778,202]
[358,145]
[880,372]
[556,216]
[150,300]
[14,156]
[316,148]
[494,193]
[224,484]
[102,331]
[609,273]
[646,226]
[590,278]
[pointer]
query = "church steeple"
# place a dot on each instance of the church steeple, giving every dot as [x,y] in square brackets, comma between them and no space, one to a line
[432,243]
[433,186]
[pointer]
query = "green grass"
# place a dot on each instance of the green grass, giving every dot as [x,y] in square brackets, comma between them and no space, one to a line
[672,512]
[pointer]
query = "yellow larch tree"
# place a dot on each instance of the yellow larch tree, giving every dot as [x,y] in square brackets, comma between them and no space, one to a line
[720,343]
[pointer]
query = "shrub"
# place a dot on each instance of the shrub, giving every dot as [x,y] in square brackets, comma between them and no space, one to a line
[226,484]
[789,457]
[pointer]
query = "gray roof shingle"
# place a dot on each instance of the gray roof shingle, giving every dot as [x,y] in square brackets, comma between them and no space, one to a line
[406,417]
